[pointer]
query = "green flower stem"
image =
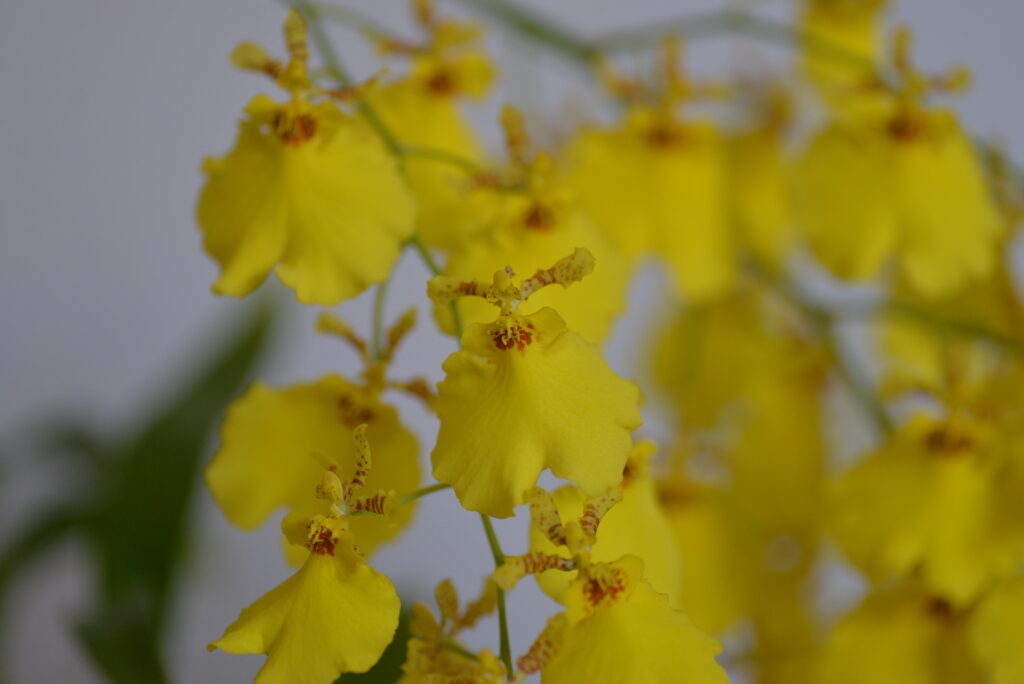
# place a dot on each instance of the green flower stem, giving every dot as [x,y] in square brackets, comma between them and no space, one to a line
[434,269]
[356,20]
[965,329]
[499,560]
[731,22]
[442,156]
[537,27]
[421,492]
[692,26]
[824,321]
[855,381]
[377,334]
[452,646]
[337,71]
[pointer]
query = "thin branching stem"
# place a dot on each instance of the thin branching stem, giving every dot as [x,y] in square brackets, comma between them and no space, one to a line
[428,261]
[499,560]
[421,492]
[357,21]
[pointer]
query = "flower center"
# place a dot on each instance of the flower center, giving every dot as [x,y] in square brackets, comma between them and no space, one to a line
[443,82]
[512,332]
[293,128]
[604,584]
[539,216]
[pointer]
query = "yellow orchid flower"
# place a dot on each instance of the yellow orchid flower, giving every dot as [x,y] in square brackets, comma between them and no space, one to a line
[335,614]
[433,653]
[637,526]
[540,224]
[307,188]
[655,184]
[615,627]
[590,311]
[274,442]
[525,394]
[940,500]
[900,636]
[900,184]
[755,161]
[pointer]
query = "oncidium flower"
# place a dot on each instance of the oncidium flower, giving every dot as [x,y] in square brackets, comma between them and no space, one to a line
[307,188]
[901,635]
[275,441]
[656,183]
[940,500]
[899,183]
[637,526]
[535,219]
[615,627]
[433,654]
[335,614]
[760,214]
[525,394]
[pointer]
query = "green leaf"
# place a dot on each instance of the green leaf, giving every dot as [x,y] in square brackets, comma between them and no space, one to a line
[140,519]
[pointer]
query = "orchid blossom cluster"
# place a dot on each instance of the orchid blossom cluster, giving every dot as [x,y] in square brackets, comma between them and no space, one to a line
[656,555]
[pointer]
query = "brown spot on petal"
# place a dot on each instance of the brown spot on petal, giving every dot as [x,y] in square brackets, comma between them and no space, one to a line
[323,543]
[539,216]
[664,136]
[352,412]
[906,127]
[443,82]
[294,130]
[946,441]
[940,609]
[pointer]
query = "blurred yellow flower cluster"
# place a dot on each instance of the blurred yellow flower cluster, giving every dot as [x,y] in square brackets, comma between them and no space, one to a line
[837,360]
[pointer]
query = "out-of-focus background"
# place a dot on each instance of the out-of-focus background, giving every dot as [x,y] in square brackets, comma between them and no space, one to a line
[108,107]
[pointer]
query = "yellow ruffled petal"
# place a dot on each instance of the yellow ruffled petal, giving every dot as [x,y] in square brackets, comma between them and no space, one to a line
[635,638]
[943,506]
[899,637]
[658,187]
[334,615]
[761,212]
[778,463]
[510,409]
[276,444]
[635,526]
[514,242]
[997,631]
[919,197]
[716,573]
[844,199]
[312,190]
[950,224]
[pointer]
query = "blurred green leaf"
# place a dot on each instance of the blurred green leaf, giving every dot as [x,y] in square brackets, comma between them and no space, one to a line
[139,523]
[136,517]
